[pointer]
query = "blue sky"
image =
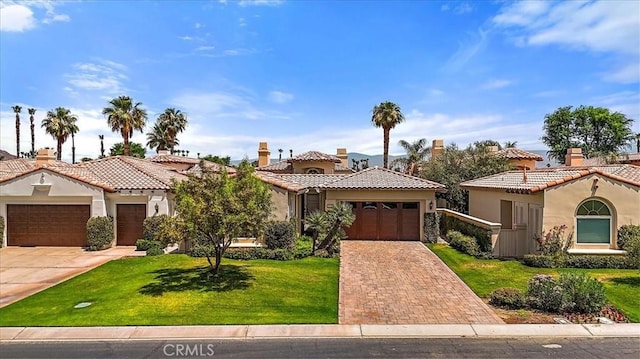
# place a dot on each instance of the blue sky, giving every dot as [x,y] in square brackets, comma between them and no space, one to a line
[304,75]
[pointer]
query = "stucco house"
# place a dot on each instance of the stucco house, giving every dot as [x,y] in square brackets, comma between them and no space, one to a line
[47,202]
[185,164]
[592,201]
[388,205]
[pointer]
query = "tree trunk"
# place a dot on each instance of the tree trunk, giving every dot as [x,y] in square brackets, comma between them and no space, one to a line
[126,147]
[33,138]
[314,236]
[59,154]
[216,269]
[385,156]
[73,149]
[17,135]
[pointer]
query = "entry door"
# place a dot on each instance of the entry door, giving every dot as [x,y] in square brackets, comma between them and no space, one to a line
[130,218]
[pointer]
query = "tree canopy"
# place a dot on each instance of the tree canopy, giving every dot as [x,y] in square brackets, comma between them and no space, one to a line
[137,150]
[386,115]
[596,130]
[125,116]
[417,152]
[225,161]
[60,123]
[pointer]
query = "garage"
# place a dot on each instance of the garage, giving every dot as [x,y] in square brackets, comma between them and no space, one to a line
[391,221]
[47,225]
[130,219]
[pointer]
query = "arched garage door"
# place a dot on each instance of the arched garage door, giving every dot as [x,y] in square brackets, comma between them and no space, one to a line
[385,221]
[47,225]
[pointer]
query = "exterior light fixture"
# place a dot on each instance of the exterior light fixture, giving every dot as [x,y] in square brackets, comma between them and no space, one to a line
[431,205]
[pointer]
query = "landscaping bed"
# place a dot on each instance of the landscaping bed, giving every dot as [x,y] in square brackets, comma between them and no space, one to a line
[177,289]
[622,286]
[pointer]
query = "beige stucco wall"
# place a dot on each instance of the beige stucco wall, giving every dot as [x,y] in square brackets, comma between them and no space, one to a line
[485,203]
[562,201]
[279,198]
[422,197]
[302,166]
[521,163]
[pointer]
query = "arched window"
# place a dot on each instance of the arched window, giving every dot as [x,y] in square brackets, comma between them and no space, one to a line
[313,171]
[593,221]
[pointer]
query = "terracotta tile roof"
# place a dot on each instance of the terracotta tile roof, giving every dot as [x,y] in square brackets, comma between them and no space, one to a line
[373,178]
[196,169]
[194,162]
[19,166]
[285,166]
[543,178]
[314,156]
[622,158]
[173,159]
[518,154]
[130,173]
[376,178]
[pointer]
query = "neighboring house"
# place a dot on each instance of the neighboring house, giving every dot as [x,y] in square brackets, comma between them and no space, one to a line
[47,202]
[625,158]
[517,158]
[187,165]
[388,205]
[592,201]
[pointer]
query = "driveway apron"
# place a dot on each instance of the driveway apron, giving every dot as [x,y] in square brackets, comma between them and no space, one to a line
[384,282]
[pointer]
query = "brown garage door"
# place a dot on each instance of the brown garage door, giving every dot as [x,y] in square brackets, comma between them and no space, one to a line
[385,221]
[130,219]
[47,225]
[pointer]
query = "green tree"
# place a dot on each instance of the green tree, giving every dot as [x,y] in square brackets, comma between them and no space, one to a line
[386,115]
[125,117]
[17,109]
[137,150]
[225,161]
[32,112]
[157,138]
[594,129]
[455,166]
[510,144]
[416,153]
[315,222]
[214,208]
[60,123]
[173,122]
[487,143]
[336,219]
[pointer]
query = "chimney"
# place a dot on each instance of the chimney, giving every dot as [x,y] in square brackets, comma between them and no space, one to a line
[342,155]
[263,154]
[574,157]
[492,149]
[437,148]
[45,156]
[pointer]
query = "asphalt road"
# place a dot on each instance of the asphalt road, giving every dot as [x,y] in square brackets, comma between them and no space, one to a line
[583,348]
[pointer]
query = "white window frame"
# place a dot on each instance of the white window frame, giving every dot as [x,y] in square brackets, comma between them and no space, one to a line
[609,217]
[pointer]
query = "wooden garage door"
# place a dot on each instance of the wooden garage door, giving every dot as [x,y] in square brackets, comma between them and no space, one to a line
[47,225]
[130,218]
[385,221]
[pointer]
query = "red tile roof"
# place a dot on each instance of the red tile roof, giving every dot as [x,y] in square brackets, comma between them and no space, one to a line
[518,154]
[314,156]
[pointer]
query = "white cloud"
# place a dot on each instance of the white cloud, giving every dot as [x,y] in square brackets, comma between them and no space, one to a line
[280,97]
[205,48]
[102,75]
[245,3]
[496,84]
[466,51]
[597,26]
[16,18]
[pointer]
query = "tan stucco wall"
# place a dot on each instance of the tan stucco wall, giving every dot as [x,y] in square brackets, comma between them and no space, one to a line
[422,197]
[279,198]
[562,201]
[302,166]
[485,203]
[520,163]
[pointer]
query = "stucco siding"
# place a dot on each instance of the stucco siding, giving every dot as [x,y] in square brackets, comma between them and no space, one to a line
[280,200]
[485,203]
[562,201]
[303,166]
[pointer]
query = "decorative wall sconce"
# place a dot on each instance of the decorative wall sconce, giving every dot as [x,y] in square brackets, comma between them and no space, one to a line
[156,207]
[431,205]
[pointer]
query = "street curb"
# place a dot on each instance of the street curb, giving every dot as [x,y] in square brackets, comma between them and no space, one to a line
[31,334]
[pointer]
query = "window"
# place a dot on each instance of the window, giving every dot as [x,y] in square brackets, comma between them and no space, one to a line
[593,221]
[314,171]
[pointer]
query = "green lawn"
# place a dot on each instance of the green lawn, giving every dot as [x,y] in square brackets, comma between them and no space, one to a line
[175,290]
[483,276]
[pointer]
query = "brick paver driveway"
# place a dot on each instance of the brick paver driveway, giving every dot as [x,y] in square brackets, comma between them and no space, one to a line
[25,271]
[404,283]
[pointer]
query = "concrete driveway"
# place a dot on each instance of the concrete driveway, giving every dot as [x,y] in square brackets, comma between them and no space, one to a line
[384,282]
[28,270]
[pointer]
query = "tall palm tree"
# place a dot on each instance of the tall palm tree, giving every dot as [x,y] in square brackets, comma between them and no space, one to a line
[73,128]
[125,117]
[417,152]
[101,137]
[32,112]
[174,121]
[386,115]
[17,109]
[158,137]
[60,123]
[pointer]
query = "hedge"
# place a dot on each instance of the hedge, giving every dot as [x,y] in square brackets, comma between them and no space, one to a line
[151,226]
[432,227]
[579,261]
[481,235]
[99,233]
[627,233]
[464,244]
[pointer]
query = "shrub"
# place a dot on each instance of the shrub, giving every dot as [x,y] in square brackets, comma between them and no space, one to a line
[259,253]
[542,261]
[545,294]
[481,235]
[431,227]
[578,261]
[303,247]
[280,235]
[99,233]
[627,233]
[554,242]
[582,293]
[145,244]
[151,226]
[1,231]
[463,243]
[511,298]
[155,250]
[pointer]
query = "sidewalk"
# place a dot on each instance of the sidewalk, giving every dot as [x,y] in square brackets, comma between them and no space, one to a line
[18,334]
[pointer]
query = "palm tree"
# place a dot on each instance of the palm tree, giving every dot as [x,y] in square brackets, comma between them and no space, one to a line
[32,112]
[174,121]
[73,128]
[417,152]
[60,123]
[280,150]
[315,222]
[158,137]
[101,137]
[386,115]
[17,109]
[510,144]
[124,116]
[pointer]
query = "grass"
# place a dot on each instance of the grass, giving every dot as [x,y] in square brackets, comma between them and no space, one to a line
[483,276]
[178,290]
